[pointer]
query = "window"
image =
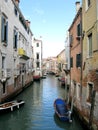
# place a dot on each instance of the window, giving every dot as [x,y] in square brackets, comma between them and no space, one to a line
[59,66]
[88,3]
[14,63]
[4,30]
[78,60]
[3,62]
[4,86]
[3,65]
[15,11]
[89,92]
[71,62]
[15,39]
[90,45]
[78,91]
[38,64]
[79,29]
[37,44]
[70,39]
[37,55]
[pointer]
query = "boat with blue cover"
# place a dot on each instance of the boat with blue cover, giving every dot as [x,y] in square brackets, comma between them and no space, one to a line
[62,110]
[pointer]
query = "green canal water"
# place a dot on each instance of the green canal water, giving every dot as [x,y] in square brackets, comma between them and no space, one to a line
[38,112]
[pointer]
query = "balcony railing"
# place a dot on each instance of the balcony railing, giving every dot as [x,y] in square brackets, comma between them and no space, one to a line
[22,54]
[5,74]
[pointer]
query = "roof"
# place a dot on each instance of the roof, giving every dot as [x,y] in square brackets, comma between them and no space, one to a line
[78,13]
[21,15]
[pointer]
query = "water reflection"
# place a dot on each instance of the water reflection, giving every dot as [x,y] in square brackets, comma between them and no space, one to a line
[66,125]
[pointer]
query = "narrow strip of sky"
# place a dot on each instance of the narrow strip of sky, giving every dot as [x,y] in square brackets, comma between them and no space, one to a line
[51,20]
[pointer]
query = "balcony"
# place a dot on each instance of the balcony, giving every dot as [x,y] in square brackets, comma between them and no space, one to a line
[22,54]
[5,74]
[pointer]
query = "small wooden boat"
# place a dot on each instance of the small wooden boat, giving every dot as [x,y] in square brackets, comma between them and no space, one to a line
[62,110]
[11,106]
[36,77]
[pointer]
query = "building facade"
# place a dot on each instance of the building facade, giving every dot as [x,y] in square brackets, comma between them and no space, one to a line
[61,61]
[90,56]
[50,65]
[67,52]
[84,63]
[75,31]
[38,53]
[16,52]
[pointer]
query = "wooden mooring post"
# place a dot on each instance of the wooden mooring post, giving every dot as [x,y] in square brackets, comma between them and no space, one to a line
[92,109]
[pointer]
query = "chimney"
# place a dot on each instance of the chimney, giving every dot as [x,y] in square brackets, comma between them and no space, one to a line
[77,6]
[17,2]
[28,23]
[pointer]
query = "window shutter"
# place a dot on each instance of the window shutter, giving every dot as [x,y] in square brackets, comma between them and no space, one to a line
[80,28]
[2,29]
[16,39]
[78,60]
[7,32]
[70,39]
[71,62]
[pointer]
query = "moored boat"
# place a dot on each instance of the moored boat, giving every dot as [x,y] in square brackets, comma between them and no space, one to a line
[62,110]
[11,106]
[36,77]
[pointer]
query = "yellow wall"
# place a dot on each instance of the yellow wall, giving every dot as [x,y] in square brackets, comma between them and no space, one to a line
[90,26]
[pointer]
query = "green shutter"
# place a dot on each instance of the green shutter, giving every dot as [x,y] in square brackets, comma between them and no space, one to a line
[2,29]
[78,60]
[16,38]
[7,32]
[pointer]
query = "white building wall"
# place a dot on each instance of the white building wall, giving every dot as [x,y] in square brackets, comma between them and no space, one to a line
[39,51]
[7,9]
[67,52]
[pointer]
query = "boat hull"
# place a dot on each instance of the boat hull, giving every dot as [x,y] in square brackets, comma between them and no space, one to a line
[61,110]
[10,106]
[36,78]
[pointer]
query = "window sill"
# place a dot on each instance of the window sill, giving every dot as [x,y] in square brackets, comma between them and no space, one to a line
[88,57]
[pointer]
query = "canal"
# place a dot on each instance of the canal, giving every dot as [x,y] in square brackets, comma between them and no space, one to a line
[38,112]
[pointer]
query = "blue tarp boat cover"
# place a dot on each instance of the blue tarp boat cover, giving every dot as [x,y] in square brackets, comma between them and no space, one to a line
[61,107]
